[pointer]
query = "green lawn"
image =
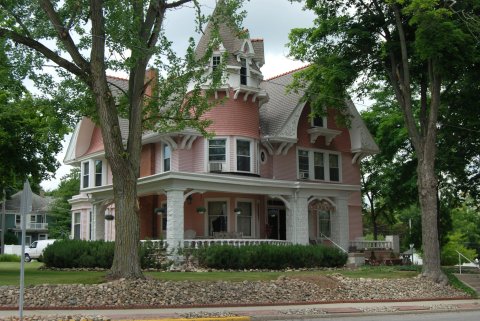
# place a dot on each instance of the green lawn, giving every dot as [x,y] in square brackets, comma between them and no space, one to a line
[10,275]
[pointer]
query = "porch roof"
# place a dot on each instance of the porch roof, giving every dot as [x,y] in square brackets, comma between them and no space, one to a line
[160,183]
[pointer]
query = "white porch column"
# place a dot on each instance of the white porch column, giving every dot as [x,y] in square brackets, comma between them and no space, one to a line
[175,219]
[98,212]
[297,220]
[340,228]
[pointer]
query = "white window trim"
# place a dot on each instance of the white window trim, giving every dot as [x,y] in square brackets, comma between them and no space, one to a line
[252,223]
[252,154]
[162,165]
[226,164]
[82,185]
[205,219]
[247,67]
[92,173]
[326,165]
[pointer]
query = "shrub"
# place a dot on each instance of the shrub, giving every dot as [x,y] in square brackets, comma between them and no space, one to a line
[92,254]
[9,258]
[266,256]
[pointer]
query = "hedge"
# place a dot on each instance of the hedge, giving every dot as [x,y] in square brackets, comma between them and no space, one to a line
[9,258]
[93,254]
[266,256]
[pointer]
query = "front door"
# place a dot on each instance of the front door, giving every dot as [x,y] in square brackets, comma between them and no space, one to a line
[276,228]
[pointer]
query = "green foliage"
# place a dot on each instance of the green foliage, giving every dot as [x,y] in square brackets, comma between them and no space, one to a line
[11,238]
[79,254]
[449,253]
[94,254]
[267,256]
[9,258]
[60,209]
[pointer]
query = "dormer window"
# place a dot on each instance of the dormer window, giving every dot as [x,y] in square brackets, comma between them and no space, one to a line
[319,121]
[243,71]
[215,61]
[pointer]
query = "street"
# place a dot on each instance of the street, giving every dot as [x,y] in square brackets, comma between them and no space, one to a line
[443,316]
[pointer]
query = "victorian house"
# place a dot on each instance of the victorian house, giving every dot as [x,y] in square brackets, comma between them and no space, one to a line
[270,174]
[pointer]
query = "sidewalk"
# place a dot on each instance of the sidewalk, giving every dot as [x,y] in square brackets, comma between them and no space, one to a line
[289,312]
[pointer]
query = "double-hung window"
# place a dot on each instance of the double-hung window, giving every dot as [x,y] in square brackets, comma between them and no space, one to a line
[334,167]
[76,226]
[86,174]
[303,164]
[319,165]
[243,156]
[98,172]
[217,154]
[166,157]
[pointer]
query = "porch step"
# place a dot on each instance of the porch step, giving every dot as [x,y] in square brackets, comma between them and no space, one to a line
[472,280]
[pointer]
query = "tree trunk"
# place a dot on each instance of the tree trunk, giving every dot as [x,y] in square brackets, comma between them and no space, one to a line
[427,191]
[126,261]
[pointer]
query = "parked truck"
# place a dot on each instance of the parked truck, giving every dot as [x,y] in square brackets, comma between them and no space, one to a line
[36,249]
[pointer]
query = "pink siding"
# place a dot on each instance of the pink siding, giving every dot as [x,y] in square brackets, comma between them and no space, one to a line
[158,158]
[198,155]
[185,160]
[285,167]
[235,117]
[96,144]
[266,170]
[147,160]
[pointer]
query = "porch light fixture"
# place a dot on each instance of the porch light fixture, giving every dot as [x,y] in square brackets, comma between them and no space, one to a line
[159,210]
[237,210]
[189,199]
[201,210]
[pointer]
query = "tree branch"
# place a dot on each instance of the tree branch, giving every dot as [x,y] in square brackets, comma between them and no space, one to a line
[46,52]
[18,20]
[404,82]
[176,4]
[64,36]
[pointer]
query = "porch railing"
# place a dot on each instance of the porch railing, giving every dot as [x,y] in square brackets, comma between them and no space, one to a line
[199,243]
[34,226]
[371,245]
[335,244]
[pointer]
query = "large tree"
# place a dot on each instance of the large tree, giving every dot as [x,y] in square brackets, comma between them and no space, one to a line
[418,48]
[31,134]
[87,38]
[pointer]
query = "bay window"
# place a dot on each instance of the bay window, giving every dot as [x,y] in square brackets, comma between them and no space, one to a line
[243,156]
[86,174]
[98,172]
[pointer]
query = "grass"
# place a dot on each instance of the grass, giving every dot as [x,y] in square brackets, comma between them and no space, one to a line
[10,275]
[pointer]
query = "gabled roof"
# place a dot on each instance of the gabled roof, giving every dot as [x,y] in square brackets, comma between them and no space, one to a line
[280,115]
[39,203]
[275,113]
[233,42]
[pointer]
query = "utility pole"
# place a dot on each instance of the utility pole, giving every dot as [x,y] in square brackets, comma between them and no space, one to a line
[2,236]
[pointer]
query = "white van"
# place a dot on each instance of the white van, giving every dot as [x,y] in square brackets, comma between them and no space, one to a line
[36,249]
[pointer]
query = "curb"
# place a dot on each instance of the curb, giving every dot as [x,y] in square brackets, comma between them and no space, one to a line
[195,319]
[187,306]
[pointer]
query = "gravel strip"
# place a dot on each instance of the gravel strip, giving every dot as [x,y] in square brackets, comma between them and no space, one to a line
[155,293]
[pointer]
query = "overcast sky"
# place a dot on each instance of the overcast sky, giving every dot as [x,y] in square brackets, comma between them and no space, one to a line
[271,20]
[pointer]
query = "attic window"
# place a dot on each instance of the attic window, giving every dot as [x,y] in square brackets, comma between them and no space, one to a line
[215,62]
[243,71]
[319,121]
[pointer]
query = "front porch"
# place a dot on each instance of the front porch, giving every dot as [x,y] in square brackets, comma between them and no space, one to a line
[251,210]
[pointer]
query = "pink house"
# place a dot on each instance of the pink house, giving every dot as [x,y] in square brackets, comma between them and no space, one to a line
[270,173]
